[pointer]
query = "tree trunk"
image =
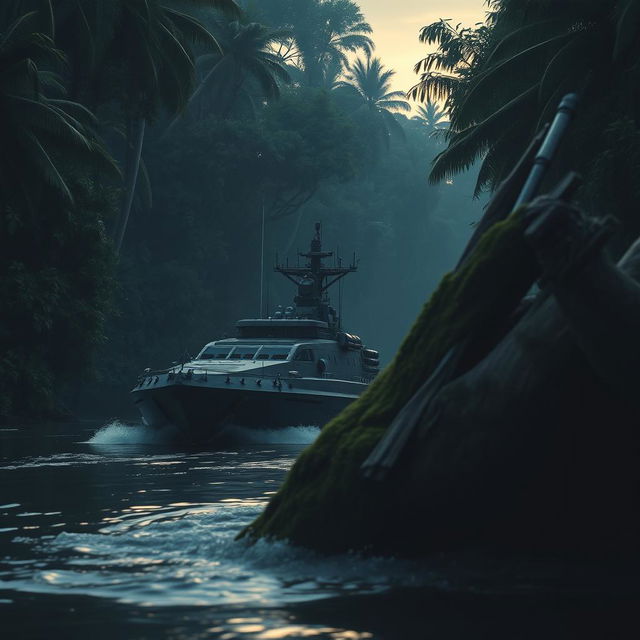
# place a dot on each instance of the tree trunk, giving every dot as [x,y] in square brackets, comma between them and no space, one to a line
[135,138]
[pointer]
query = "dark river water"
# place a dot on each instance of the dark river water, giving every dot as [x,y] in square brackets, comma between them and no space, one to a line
[107,533]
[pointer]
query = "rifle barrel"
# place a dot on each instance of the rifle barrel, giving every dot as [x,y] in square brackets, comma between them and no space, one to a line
[564,115]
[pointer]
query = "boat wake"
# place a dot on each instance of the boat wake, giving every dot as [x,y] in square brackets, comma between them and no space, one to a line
[117,432]
[121,433]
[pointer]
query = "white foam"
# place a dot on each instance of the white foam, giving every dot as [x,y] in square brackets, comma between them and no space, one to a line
[286,435]
[117,432]
[189,556]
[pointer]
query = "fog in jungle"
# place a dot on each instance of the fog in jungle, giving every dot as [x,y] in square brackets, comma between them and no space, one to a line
[402,251]
[336,144]
[171,150]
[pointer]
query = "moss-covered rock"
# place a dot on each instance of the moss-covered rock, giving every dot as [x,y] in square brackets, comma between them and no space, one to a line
[324,502]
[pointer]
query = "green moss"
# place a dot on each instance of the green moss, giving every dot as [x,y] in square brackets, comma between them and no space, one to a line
[324,503]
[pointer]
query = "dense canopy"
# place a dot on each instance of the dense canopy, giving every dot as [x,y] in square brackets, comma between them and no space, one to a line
[147,138]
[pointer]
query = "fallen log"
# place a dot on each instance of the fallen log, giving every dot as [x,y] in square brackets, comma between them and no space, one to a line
[533,446]
[536,447]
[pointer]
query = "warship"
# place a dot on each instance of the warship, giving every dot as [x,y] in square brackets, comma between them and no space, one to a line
[296,367]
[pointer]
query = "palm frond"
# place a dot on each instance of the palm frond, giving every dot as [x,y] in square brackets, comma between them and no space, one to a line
[228,7]
[278,70]
[397,105]
[52,81]
[353,42]
[467,145]
[434,87]
[42,116]
[47,166]
[394,95]
[439,32]
[571,61]
[480,96]
[195,31]
[627,27]
[514,40]
[17,30]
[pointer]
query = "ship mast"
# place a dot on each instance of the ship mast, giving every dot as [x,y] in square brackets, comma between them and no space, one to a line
[313,281]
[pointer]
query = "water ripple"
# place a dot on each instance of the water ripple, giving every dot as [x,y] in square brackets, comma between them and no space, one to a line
[190,556]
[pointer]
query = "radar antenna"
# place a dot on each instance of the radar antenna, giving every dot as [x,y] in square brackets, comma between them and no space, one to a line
[313,280]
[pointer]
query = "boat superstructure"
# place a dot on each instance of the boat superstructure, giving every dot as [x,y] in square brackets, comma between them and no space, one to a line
[297,367]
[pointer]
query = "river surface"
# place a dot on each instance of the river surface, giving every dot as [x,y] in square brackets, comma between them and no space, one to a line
[106,532]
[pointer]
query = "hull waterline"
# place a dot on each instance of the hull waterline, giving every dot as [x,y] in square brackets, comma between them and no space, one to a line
[201,414]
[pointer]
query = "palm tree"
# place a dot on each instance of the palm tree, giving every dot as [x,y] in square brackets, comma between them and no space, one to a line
[245,66]
[369,83]
[331,74]
[151,50]
[331,30]
[431,118]
[42,10]
[321,35]
[139,55]
[44,138]
[535,53]
[444,71]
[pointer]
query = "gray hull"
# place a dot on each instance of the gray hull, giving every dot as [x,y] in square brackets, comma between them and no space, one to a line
[199,413]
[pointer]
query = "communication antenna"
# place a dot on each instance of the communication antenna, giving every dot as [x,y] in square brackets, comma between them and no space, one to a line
[339,293]
[262,264]
[268,298]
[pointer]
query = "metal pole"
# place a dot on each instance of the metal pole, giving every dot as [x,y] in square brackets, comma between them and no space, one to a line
[564,115]
[262,264]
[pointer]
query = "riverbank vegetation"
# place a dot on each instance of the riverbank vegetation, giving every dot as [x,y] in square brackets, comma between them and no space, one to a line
[148,139]
[500,81]
[472,482]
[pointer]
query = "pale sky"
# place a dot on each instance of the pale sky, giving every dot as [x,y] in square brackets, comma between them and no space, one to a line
[396,26]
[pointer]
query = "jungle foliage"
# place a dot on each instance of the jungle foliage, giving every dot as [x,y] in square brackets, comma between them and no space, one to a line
[146,140]
[55,264]
[503,79]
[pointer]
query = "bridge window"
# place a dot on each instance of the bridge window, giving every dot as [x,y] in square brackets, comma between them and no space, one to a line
[243,353]
[273,353]
[214,353]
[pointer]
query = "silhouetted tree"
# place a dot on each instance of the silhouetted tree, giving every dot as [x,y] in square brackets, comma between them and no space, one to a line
[512,72]
[245,66]
[370,83]
[323,33]
[431,118]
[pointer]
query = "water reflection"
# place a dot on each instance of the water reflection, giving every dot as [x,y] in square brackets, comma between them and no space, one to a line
[136,540]
[298,631]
